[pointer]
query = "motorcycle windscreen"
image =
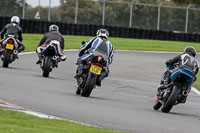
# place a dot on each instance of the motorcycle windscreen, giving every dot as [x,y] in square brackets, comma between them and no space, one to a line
[102,50]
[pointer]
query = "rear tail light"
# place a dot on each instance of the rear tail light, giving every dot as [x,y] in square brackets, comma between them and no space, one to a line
[104,68]
[99,58]
[10,41]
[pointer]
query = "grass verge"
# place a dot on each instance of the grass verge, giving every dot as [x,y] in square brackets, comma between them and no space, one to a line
[17,122]
[74,42]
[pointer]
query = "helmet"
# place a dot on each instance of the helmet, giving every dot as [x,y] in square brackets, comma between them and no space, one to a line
[102,33]
[190,50]
[53,27]
[15,19]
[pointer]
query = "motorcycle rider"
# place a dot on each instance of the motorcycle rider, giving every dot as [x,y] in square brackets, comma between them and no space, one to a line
[12,29]
[52,35]
[94,43]
[184,60]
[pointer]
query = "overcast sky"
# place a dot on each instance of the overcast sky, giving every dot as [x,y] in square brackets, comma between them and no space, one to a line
[34,3]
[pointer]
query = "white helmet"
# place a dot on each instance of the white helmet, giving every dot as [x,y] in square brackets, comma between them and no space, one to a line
[102,33]
[53,27]
[15,19]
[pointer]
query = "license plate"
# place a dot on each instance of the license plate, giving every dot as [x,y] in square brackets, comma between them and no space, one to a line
[95,69]
[9,46]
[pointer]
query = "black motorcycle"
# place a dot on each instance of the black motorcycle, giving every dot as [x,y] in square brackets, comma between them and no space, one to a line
[10,52]
[96,64]
[50,59]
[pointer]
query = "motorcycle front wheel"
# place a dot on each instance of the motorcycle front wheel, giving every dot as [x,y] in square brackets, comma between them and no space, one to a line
[157,104]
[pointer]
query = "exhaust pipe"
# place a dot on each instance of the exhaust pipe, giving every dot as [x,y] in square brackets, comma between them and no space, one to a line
[15,52]
[185,93]
[54,58]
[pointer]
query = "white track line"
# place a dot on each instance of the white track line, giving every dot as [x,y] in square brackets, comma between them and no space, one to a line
[9,106]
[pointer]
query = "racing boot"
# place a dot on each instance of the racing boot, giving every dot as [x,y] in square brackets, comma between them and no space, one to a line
[40,58]
[101,77]
[21,48]
[62,58]
[163,85]
[78,91]
[79,71]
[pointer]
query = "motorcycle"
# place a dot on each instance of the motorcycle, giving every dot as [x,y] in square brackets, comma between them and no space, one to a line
[96,64]
[50,58]
[10,52]
[177,90]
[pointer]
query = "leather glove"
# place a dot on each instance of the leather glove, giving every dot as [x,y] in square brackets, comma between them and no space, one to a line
[169,62]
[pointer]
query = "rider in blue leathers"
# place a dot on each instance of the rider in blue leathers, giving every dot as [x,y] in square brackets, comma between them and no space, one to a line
[84,54]
[184,60]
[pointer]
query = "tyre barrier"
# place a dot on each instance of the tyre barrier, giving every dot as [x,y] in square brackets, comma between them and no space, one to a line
[40,27]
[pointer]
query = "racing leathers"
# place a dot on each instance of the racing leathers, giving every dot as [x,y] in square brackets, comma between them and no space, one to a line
[15,30]
[183,61]
[47,38]
[86,50]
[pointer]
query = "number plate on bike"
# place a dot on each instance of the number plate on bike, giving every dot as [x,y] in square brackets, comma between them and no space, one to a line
[9,46]
[95,69]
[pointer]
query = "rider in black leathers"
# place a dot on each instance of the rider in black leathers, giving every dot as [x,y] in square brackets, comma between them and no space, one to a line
[184,60]
[53,34]
[13,29]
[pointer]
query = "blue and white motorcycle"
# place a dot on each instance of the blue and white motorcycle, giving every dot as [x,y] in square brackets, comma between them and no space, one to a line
[176,91]
[50,59]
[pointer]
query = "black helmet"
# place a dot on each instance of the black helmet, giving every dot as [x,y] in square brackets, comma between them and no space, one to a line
[103,33]
[53,28]
[190,50]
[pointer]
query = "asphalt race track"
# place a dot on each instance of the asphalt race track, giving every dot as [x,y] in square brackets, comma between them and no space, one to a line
[124,102]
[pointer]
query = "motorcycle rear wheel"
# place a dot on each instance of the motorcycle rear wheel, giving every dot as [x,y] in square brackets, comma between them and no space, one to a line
[89,85]
[6,59]
[47,66]
[170,102]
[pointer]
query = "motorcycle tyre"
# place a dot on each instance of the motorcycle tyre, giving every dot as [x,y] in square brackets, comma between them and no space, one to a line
[170,102]
[157,104]
[47,66]
[89,85]
[6,59]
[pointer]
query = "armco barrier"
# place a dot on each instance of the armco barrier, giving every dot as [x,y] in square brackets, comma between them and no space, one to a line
[37,26]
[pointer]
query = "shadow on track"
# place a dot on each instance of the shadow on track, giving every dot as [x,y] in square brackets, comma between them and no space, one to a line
[51,78]
[16,68]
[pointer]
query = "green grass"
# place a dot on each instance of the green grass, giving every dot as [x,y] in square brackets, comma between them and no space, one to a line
[17,122]
[197,83]
[74,42]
